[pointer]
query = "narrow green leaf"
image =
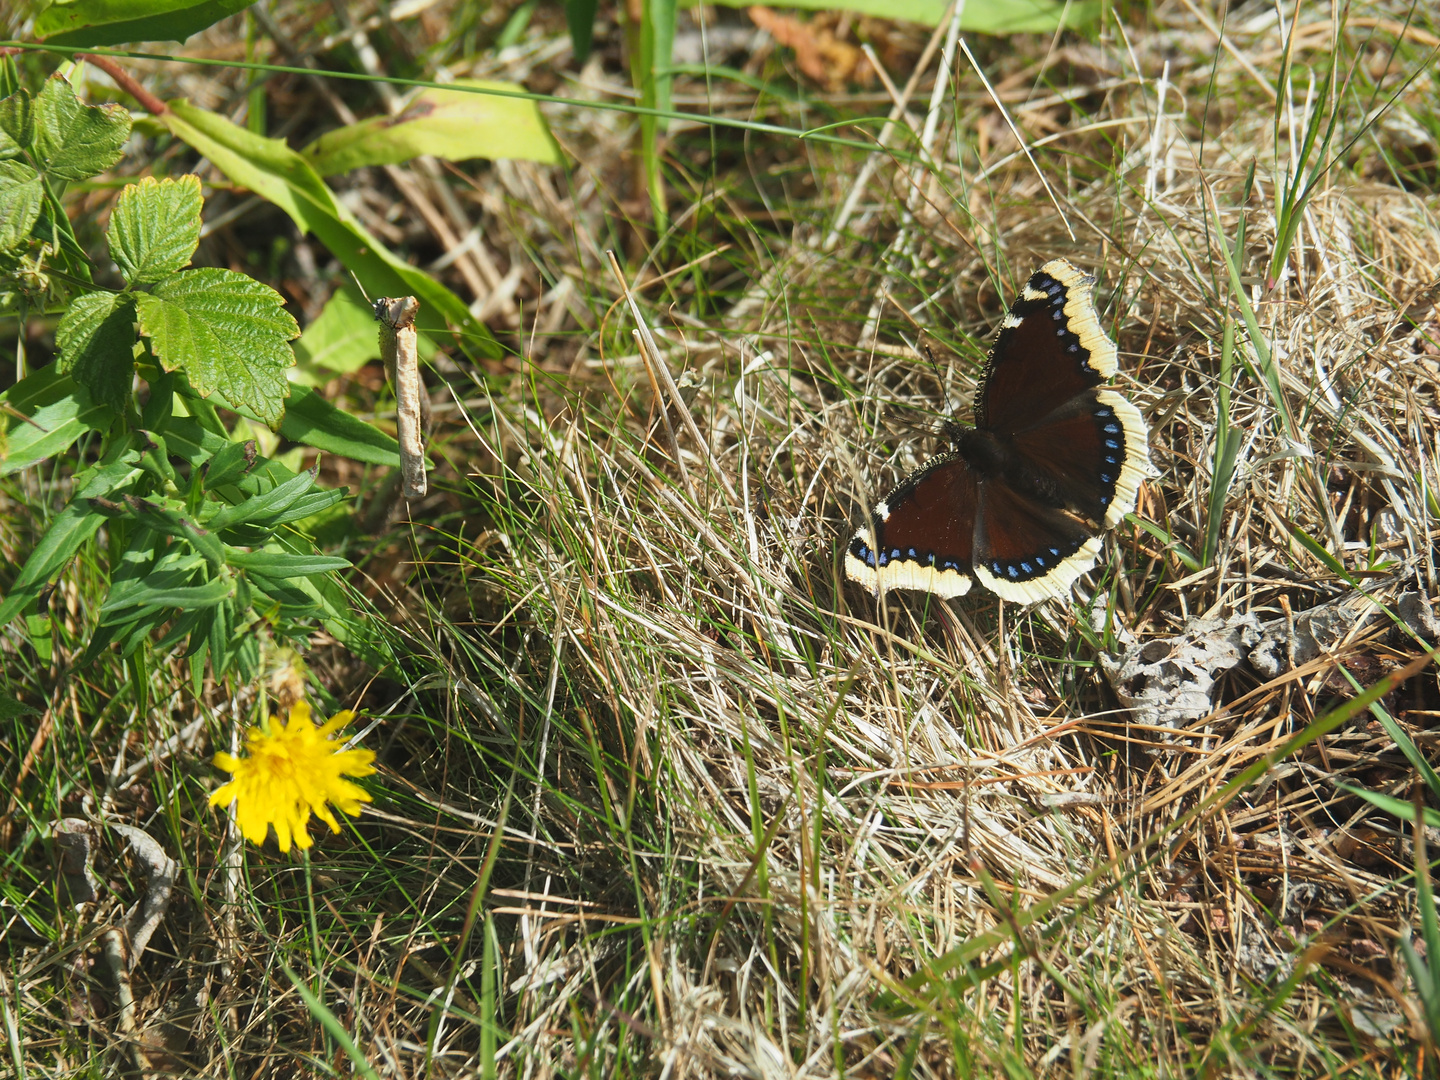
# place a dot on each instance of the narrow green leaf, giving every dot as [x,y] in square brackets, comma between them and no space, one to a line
[227,332]
[662,20]
[272,502]
[168,521]
[21,195]
[155,228]
[118,22]
[231,463]
[71,528]
[273,171]
[96,339]
[580,18]
[182,626]
[282,564]
[315,503]
[331,1023]
[17,125]
[74,141]
[100,481]
[1403,809]
[312,420]
[1187,558]
[1313,546]
[452,124]
[46,412]
[157,592]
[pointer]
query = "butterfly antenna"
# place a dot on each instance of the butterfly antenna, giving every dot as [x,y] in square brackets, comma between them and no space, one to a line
[363,293]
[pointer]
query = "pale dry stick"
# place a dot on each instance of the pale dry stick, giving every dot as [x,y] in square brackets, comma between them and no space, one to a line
[398,349]
[1151,183]
[975,66]
[897,110]
[652,362]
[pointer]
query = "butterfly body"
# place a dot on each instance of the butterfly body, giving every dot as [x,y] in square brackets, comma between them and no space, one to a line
[1019,500]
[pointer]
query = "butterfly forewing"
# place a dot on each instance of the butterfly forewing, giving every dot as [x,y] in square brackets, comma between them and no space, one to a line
[1050,348]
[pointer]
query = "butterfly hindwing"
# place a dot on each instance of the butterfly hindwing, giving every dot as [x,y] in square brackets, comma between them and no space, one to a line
[1026,551]
[921,534]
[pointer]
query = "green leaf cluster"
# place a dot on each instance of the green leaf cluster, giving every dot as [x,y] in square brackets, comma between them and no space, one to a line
[47,141]
[199,534]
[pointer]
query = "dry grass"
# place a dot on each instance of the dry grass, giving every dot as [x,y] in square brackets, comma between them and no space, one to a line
[662,795]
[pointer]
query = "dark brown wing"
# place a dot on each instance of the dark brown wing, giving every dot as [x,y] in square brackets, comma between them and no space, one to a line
[1026,551]
[921,534]
[1050,348]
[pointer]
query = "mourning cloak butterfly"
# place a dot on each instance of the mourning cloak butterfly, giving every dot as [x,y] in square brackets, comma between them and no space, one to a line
[1054,458]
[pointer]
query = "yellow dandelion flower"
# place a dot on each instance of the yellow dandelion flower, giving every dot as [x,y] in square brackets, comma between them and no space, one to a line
[292,770]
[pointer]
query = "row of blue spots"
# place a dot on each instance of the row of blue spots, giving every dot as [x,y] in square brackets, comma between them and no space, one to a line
[1014,570]
[863,552]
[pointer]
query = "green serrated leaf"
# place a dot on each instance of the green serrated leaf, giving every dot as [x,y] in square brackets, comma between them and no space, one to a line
[272,170]
[75,141]
[21,195]
[96,339]
[155,228]
[227,332]
[17,124]
[46,412]
[456,125]
[119,22]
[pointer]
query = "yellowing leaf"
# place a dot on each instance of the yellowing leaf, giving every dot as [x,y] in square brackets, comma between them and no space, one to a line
[452,124]
[342,339]
[115,22]
[988,17]
[275,172]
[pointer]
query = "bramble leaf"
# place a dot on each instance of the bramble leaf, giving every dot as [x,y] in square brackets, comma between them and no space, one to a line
[21,193]
[96,339]
[155,228]
[227,332]
[75,141]
[17,127]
